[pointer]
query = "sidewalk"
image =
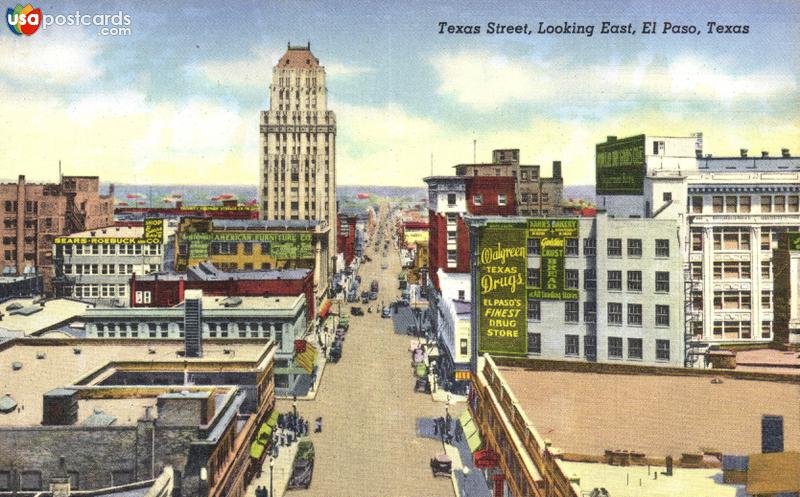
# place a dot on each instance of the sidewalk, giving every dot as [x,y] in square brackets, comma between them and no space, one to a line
[321,361]
[281,472]
[465,484]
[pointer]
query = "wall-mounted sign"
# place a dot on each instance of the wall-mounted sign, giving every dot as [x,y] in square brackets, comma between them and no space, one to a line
[153,234]
[552,235]
[502,306]
[281,246]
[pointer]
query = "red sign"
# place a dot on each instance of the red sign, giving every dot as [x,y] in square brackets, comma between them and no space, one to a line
[486,458]
[300,346]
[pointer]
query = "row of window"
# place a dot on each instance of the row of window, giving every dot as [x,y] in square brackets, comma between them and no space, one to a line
[98,290]
[743,204]
[614,247]
[614,313]
[109,249]
[635,349]
[614,282]
[106,268]
[734,270]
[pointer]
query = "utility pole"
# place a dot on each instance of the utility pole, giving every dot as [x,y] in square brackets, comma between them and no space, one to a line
[474,151]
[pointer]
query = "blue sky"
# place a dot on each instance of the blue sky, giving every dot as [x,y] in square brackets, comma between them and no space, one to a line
[177,100]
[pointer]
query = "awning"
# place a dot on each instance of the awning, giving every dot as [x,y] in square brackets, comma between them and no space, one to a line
[325,309]
[471,433]
[256,449]
[422,370]
[307,358]
[272,421]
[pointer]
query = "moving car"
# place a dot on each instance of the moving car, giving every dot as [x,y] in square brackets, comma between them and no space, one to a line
[373,295]
[356,311]
[303,465]
[374,286]
[386,313]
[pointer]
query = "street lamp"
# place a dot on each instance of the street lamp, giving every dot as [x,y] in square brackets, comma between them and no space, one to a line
[271,465]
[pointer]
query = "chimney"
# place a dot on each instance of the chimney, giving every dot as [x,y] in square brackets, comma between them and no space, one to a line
[611,139]
[785,153]
[193,323]
[743,152]
[764,154]
[556,169]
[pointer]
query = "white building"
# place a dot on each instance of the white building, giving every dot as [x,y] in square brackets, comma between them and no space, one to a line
[732,211]
[298,147]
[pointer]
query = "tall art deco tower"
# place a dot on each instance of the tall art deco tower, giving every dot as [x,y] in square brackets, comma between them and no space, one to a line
[298,146]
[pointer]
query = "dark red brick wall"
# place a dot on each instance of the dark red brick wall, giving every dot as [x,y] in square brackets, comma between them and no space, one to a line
[346,241]
[489,187]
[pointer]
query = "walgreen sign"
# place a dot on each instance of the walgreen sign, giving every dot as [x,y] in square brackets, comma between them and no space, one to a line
[552,235]
[502,307]
[620,166]
[282,246]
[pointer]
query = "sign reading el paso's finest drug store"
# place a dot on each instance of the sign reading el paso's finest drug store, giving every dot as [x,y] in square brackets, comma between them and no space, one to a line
[502,306]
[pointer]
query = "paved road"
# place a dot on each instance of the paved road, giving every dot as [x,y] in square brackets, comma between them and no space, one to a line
[368,446]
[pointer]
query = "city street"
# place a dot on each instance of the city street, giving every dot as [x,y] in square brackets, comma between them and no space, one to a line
[368,445]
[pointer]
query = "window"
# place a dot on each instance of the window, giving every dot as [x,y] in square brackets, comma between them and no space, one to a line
[248,249]
[744,204]
[477,199]
[716,203]
[534,246]
[662,350]
[30,480]
[697,240]
[589,279]
[590,347]
[589,246]
[662,247]
[615,280]
[534,277]
[662,315]
[662,281]
[732,299]
[634,247]
[614,247]
[779,203]
[614,313]
[731,239]
[731,204]
[766,239]
[658,147]
[615,347]
[697,270]
[571,312]
[732,270]
[697,205]
[634,281]
[571,247]
[766,203]
[534,343]
[451,199]
[792,203]
[572,345]
[635,314]
[634,348]
[589,312]
[666,196]
[766,329]
[451,258]
[766,270]
[501,200]
[571,277]
[766,299]
[534,310]
[463,346]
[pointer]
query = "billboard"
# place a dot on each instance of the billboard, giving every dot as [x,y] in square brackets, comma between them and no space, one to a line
[620,166]
[552,235]
[282,246]
[500,274]
[153,234]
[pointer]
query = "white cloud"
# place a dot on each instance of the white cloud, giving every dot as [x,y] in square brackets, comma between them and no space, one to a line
[485,80]
[339,70]
[66,57]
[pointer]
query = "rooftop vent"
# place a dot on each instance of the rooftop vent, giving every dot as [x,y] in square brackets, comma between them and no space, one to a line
[77,350]
[743,152]
[151,350]
[785,152]
[16,366]
[40,355]
[764,154]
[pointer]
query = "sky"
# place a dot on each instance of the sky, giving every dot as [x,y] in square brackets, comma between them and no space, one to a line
[176,101]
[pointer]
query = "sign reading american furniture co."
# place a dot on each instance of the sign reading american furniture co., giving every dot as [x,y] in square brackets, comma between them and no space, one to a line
[552,235]
[282,246]
[502,306]
[620,166]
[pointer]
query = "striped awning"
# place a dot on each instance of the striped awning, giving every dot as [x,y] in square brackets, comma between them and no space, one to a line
[471,433]
[307,358]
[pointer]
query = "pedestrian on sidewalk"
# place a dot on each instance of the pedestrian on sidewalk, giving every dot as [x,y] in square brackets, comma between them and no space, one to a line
[436,427]
[318,425]
[458,431]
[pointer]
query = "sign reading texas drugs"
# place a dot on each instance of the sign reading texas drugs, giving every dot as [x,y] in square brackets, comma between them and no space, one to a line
[502,305]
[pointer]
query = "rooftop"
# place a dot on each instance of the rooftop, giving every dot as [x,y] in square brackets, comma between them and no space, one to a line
[206,271]
[117,232]
[30,315]
[656,414]
[298,57]
[764,360]
[47,364]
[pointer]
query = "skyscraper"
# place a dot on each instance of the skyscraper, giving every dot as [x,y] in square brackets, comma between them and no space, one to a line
[298,149]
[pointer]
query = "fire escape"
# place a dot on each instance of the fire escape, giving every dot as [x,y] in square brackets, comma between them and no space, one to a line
[694,348]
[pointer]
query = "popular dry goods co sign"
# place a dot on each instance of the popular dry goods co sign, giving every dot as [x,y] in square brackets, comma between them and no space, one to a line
[619,166]
[502,282]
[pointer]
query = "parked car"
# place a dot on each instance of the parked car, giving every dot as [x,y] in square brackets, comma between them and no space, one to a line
[356,311]
[373,295]
[374,286]
[365,299]
[303,465]
[386,313]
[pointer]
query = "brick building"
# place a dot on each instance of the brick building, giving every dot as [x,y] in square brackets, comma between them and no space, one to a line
[35,213]
[346,235]
[167,289]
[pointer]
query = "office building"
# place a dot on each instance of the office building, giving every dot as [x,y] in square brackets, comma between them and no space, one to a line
[732,211]
[298,150]
[34,214]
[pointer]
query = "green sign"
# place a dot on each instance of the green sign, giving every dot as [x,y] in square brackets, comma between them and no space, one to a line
[552,235]
[282,246]
[793,238]
[620,166]
[502,262]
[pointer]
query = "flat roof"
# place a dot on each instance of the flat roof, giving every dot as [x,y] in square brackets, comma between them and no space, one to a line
[656,414]
[768,360]
[62,367]
[54,312]
[126,411]
[636,481]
